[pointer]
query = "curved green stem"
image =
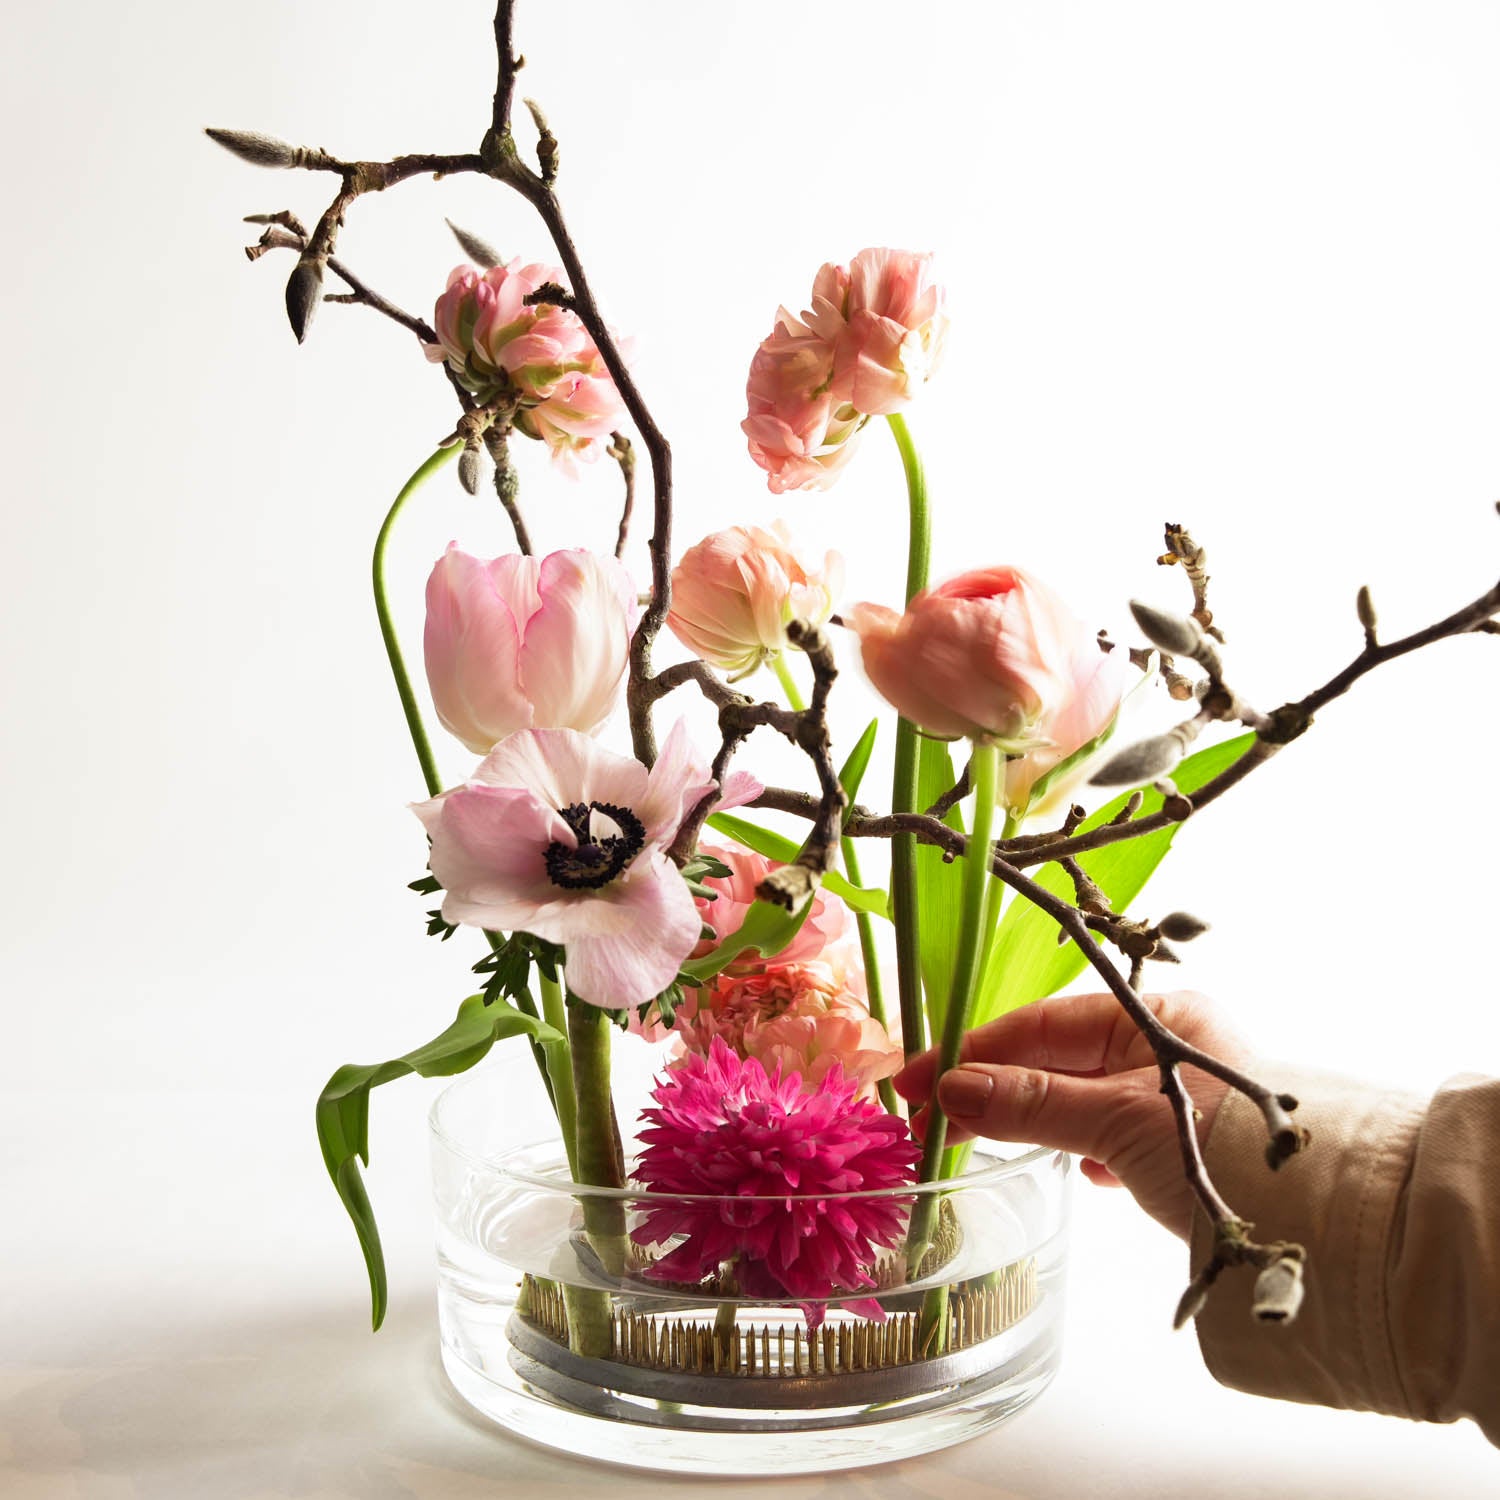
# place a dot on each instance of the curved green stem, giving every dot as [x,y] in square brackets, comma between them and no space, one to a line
[560,1076]
[387,626]
[908,748]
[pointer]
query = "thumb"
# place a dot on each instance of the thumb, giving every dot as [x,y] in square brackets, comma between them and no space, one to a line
[1031,1105]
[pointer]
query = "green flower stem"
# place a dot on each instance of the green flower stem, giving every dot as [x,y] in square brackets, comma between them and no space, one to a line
[788,683]
[985,770]
[904,788]
[387,625]
[560,1075]
[600,1163]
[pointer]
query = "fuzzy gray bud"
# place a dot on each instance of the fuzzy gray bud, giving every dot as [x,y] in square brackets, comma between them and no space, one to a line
[257,149]
[468,468]
[1175,633]
[1190,1305]
[1143,761]
[304,290]
[1181,926]
[475,248]
[1278,1291]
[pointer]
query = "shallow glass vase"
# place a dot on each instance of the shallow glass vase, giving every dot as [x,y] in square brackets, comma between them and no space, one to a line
[553,1326]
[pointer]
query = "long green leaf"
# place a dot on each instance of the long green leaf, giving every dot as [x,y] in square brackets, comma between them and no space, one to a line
[939,885]
[853,772]
[767,928]
[343,1113]
[1026,963]
[784,850]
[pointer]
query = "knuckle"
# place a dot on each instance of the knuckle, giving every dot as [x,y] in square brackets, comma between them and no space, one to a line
[1027,1094]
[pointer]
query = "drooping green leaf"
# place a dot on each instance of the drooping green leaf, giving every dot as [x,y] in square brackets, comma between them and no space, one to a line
[853,772]
[784,850]
[343,1113]
[1026,962]
[767,929]
[940,884]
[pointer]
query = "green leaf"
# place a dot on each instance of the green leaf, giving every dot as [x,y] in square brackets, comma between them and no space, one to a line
[939,884]
[343,1113]
[767,928]
[1026,963]
[784,851]
[858,763]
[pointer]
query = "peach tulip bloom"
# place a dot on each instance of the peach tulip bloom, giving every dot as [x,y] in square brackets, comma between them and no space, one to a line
[526,643]
[735,592]
[991,655]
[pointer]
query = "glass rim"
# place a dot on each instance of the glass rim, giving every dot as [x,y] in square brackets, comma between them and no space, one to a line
[500,1165]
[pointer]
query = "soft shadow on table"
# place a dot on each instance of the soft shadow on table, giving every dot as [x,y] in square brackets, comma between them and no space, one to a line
[313,1408]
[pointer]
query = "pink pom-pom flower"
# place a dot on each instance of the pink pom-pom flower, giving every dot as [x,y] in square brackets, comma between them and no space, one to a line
[759,1168]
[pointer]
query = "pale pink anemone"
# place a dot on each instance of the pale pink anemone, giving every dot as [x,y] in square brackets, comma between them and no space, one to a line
[767,1162]
[556,836]
[824,925]
[539,355]
[803,1018]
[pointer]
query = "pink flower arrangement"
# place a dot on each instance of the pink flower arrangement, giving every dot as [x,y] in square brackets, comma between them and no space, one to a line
[873,335]
[556,836]
[540,355]
[734,593]
[992,655]
[802,1018]
[734,894]
[764,1162]
[526,643]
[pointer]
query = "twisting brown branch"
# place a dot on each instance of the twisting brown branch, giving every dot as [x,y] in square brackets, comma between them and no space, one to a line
[624,455]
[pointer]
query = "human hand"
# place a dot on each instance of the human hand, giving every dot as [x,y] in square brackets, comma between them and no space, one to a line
[1074,1073]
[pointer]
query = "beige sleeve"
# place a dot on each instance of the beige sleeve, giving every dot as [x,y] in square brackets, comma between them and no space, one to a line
[1397,1200]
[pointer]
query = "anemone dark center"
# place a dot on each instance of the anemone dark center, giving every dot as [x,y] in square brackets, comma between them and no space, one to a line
[597,858]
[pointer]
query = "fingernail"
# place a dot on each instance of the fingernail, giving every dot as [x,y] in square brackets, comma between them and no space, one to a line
[965,1092]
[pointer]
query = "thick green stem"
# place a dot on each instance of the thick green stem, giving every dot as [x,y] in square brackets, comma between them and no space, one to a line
[560,1071]
[387,625]
[788,683]
[874,991]
[985,770]
[904,788]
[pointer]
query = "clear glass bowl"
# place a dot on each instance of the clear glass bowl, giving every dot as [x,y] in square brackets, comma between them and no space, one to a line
[551,1328]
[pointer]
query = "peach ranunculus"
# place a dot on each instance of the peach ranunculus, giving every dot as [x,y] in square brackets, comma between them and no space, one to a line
[993,655]
[735,592]
[556,836]
[801,1017]
[526,643]
[540,355]
[825,924]
[874,333]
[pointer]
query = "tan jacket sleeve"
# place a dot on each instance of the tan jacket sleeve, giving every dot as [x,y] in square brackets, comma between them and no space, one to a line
[1397,1200]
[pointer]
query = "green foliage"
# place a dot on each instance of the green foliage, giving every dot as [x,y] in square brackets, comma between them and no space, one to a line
[343,1112]
[1026,962]
[853,772]
[940,884]
[766,928]
[780,848]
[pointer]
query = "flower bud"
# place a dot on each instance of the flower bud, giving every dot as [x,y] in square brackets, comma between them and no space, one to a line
[1279,1290]
[1175,633]
[734,594]
[476,249]
[521,643]
[251,146]
[1143,761]
[1181,927]
[304,290]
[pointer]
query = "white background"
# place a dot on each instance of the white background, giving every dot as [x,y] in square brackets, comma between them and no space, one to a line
[1226,265]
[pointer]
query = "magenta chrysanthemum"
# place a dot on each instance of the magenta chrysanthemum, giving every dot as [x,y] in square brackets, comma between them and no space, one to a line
[768,1162]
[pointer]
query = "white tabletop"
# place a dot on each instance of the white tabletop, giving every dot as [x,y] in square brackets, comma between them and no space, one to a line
[181,1315]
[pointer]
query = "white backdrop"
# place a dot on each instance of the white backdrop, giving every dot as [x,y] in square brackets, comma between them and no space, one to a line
[1231,266]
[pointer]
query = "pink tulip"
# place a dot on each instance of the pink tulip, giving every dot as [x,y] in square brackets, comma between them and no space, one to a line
[733,895]
[734,593]
[555,836]
[522,643]
[801,1017]
[992,655]
[873,334]
[541,356]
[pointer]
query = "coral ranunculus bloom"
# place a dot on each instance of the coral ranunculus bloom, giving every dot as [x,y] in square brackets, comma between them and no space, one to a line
[734,594]
[526,643]
[734,894]
[759,1162]
[992,655]
[556,836]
